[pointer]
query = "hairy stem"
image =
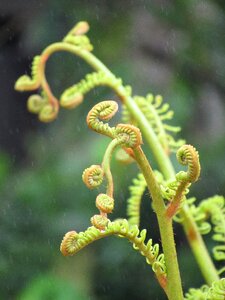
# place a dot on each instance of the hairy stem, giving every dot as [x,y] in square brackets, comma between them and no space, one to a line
[174,288]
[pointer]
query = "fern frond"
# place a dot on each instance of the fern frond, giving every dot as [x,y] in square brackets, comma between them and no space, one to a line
[103,111]
[134,202]
[35,103]
[129,135]
[188,156]
[91,80]
[93,176]
[27,83]
[73,242]
[156,112]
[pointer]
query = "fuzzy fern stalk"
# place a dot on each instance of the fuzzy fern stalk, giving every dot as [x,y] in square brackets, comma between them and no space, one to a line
[144,121]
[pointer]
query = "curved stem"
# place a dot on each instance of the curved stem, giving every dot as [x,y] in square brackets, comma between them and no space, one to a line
[174,288]
[106,165]
[197,244]
[45,86]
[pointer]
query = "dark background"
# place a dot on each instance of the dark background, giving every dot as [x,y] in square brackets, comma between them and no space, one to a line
[173,48]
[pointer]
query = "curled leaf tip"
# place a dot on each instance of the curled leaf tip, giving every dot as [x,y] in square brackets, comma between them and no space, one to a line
[105,203]
[25,83]
[72,102]
[188,155]
[99,221]
[48,113]
[93,176]
[130,134]
[35,103]
[67,245]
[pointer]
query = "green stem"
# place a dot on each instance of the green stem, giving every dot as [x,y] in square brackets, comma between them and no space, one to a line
[197,244]
[174,288]
[106,165]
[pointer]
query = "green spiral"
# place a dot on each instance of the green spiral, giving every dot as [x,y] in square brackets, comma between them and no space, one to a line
[187,155]
[93,176]
[104,111]
[27,83]
[105,203]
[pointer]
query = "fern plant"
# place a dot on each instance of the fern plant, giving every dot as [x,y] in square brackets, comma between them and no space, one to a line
[144,121]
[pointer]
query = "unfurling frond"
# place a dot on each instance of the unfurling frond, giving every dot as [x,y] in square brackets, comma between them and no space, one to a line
[130,135]
[27,83]
[104,111]
[73,242]
[188,156]
[134,202]
[156,113]
[35,103]
[104,203]
[99,221]
[93,176]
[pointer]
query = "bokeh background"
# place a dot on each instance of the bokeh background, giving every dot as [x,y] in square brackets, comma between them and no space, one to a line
[170,47]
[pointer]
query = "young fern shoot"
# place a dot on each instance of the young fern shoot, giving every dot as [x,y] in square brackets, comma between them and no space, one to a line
[143,119]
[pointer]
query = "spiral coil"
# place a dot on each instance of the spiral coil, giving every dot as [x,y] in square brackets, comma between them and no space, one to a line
[93,176]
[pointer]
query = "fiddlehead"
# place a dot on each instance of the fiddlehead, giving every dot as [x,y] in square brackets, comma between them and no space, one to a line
[104,110]
[67,245]
[156,113]
[93,176]
[104,203]
[187,156]
[129,135]
[134,202]
[27,83]
[73,242]
[35,103]
[48,113]
[99,221]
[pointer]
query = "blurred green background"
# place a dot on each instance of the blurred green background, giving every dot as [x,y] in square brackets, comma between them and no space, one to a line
[174,48]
